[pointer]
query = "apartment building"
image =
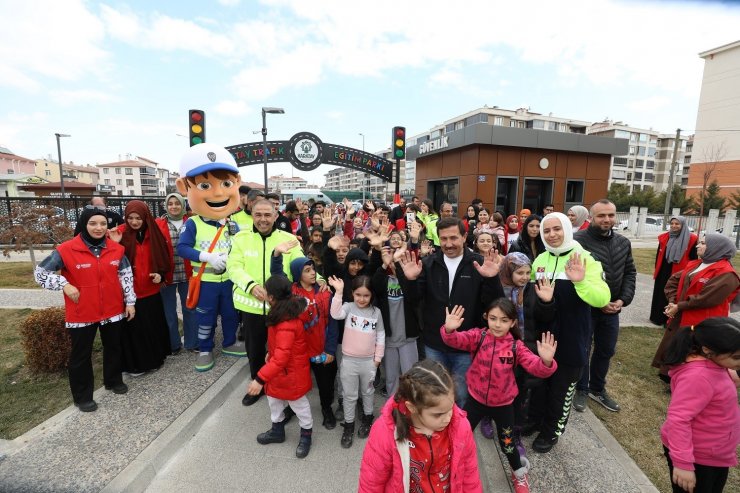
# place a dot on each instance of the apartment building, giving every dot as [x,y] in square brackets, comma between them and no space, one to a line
[648,161]
[49,170]
[11,164]
[135,176]
[716,145]
[350,180]
[280,182]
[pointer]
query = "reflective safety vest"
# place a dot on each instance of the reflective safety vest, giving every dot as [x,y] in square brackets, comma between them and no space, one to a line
[204,234]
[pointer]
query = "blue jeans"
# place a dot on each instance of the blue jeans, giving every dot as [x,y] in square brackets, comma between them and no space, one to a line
[457,364]
[604,332]
[216,299]
[189,327]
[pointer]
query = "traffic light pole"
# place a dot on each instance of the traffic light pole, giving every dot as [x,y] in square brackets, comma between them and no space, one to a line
[397,196]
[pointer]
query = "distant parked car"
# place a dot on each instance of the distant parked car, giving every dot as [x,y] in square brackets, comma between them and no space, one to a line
[652,224]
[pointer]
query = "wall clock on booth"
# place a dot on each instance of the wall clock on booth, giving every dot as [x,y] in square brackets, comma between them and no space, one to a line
[544,163]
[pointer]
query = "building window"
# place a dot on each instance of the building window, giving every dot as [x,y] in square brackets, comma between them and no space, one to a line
[633,138]
[650,164]
[498,120]
[643,138]
[632,150]
[47,172]
[640,151]
[620,161]
[129,183]
[621,134]
[118,171]
[129,171]
[619,174]
[119,182]
[459,125]
[638,176]
[107,181]
[540,124]
[106,170]
[640,163]
[450,127]
[131,192]
[629,176]
[651,151]
[649,177]
[574,191]
[563,127]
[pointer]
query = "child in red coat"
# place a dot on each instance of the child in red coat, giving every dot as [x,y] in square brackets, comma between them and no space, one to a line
[422,441]
[286,375]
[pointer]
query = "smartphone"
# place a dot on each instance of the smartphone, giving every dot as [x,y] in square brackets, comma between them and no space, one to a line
[471,223]
[410,217]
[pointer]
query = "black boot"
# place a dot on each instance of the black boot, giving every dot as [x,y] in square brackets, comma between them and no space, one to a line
[365,423]
[304,444]
[349,430]
[276,434]
[339,413]
[330,421]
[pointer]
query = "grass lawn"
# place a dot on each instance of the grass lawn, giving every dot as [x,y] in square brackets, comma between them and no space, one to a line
[643,397]
[645,260]
[28,399]
[17,275]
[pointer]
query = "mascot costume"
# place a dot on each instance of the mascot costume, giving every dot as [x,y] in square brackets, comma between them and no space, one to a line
[210,179]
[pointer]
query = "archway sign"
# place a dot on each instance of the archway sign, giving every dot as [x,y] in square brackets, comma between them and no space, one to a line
[306,152]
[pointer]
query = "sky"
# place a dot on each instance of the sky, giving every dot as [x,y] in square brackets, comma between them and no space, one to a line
[120,76]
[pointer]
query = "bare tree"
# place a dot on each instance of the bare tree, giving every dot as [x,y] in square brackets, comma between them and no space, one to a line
[711,155]
[28,227]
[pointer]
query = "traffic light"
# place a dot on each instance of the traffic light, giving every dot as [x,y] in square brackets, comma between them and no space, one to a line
[399,142]
[197,124]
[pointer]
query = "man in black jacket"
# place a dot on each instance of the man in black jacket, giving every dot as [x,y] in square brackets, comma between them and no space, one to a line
[453,275]
[614,251]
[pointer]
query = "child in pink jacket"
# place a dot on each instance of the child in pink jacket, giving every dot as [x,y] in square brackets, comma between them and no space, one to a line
[497,351]
[422,441]
[702,428]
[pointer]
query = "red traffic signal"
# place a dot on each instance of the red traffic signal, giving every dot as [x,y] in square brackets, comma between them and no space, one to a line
[197,127]
[399,142]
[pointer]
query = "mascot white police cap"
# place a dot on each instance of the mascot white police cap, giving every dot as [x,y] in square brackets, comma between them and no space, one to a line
[206,157]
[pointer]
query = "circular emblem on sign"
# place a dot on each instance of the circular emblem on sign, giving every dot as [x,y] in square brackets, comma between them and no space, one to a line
[305,151]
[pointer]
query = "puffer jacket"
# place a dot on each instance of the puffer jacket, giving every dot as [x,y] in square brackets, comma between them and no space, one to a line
[491,380]
[385,462]
[287,373]
[614,251]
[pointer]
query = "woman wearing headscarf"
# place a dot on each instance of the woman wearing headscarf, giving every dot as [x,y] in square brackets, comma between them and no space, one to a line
[429,217]
[177,279]
[578,286]
[529,241]
[511,229]
[145,341]
[523,215]
[97,282]
[578,216]
[675,248]
[703,289]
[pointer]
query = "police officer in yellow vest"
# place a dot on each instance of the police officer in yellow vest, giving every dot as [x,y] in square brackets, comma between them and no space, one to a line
[244,217]
[249,268]
[210,179]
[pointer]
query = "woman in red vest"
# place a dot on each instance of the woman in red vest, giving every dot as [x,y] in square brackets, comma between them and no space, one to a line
[145,341]
[96,279]
[704,289]
[675,248]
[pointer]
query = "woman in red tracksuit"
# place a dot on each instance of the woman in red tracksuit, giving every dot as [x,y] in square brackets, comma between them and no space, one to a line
[286,376]
[421,441]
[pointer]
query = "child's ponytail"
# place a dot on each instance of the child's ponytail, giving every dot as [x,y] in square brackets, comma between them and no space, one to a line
[421,386]
[720,335]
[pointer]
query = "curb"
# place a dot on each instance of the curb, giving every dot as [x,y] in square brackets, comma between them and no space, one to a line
[624,460]
[141,471]
[492,472]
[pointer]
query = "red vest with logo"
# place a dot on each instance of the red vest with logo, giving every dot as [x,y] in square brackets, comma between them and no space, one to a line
[696,284]
[663,244]
[96,278]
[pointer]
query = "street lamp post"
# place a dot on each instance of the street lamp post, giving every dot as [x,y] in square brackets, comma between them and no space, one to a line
[59,155]
[265,111]
[364,175]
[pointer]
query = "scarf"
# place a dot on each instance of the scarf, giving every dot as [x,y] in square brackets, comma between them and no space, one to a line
[719,247]
[82,223]
[678,242]
[182,203]
[568,242]
[581,214]
[508,228]
[161,255]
